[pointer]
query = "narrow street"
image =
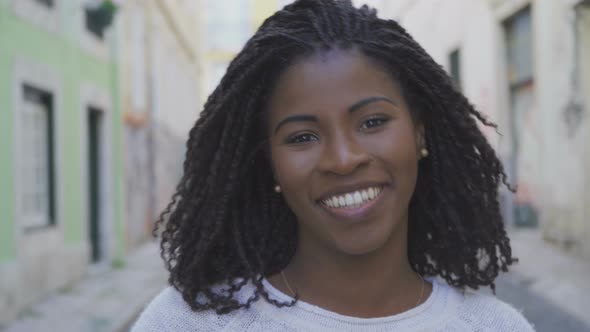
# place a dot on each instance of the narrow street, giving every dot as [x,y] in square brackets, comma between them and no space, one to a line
[111,301]
[544,315]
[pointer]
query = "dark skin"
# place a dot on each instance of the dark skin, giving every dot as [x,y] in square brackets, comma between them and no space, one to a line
[338,124]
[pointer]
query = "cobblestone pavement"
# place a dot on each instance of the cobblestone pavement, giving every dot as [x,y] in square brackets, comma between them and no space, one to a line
[103,302]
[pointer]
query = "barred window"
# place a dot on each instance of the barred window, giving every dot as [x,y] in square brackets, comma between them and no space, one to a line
[37,159]
[455,67]
[46,3]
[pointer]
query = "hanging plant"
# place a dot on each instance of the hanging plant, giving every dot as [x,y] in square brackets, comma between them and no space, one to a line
[99,16]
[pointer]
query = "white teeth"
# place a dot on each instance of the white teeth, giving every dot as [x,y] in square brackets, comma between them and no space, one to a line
[349,200]
[358,199]
[335,201]
[353,199]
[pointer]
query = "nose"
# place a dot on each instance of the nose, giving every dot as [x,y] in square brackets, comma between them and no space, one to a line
[343,155]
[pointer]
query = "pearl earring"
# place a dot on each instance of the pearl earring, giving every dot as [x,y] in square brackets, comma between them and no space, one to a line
[424,152]
[277,188]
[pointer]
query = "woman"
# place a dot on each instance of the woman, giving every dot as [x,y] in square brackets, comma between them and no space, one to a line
[333,175]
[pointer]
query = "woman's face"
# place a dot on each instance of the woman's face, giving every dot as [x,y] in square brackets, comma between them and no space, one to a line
[345,152]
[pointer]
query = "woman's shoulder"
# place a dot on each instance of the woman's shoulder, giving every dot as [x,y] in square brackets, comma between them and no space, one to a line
[488,313]
[169,312]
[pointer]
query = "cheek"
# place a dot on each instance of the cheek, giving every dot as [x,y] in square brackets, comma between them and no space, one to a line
[397,145]
[405,162]
[397,152]
[292,169]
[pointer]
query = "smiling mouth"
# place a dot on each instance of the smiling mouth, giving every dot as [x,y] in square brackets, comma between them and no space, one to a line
[353,200]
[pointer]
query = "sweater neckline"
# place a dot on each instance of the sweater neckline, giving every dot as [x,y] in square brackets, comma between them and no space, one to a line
[311,311]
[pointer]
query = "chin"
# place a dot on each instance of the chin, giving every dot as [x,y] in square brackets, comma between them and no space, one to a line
[363,244]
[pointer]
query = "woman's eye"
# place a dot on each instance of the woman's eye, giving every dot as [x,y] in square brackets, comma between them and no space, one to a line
[373,122]
[301,138]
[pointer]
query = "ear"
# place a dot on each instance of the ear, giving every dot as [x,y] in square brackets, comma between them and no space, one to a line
[420,137]
[272,169]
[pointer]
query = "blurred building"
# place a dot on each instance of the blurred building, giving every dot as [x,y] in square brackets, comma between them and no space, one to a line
[61,172]
[100,97]
[161,71]
[525,63]
[225,28]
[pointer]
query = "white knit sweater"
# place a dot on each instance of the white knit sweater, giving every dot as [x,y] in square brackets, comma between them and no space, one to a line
[446,309]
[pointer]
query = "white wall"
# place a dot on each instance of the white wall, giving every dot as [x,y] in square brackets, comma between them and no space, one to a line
[160,88]
[564,166]
[175,77]
[585,36]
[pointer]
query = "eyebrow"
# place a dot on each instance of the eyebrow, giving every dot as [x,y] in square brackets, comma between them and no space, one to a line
[312,118]
[364,102]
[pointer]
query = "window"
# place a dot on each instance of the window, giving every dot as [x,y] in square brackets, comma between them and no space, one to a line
[217,70]
[44,14]
[228,28]
[519,48]
[455,67]
[283,3]
[46,3]
[37,153]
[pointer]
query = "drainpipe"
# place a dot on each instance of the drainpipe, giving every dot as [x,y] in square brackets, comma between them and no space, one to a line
[575,109]
[578,17]
[150,71]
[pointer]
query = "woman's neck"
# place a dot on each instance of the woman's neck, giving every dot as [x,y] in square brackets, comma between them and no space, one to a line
[377,284]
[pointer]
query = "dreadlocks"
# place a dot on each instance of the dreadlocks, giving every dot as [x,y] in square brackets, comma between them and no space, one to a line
[225,226]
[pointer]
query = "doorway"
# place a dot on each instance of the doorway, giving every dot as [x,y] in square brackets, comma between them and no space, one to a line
[524,132]
[95,181]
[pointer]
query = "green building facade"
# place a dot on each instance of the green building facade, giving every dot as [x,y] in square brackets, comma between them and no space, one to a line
[61,170]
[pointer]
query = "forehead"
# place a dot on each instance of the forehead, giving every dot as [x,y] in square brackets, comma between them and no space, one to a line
[332,79]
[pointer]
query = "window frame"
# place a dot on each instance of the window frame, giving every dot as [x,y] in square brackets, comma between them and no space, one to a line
[454,59]
[47,18]
[43,101]
[219,25]
[45,79]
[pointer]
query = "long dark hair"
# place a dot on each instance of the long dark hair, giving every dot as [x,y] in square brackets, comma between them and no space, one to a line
[226,226]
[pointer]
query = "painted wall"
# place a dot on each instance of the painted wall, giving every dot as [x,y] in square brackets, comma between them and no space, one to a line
[566,134]
[34,263]
[7,203]
[160,79]
[263,9]
[176,101]
[585,54]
